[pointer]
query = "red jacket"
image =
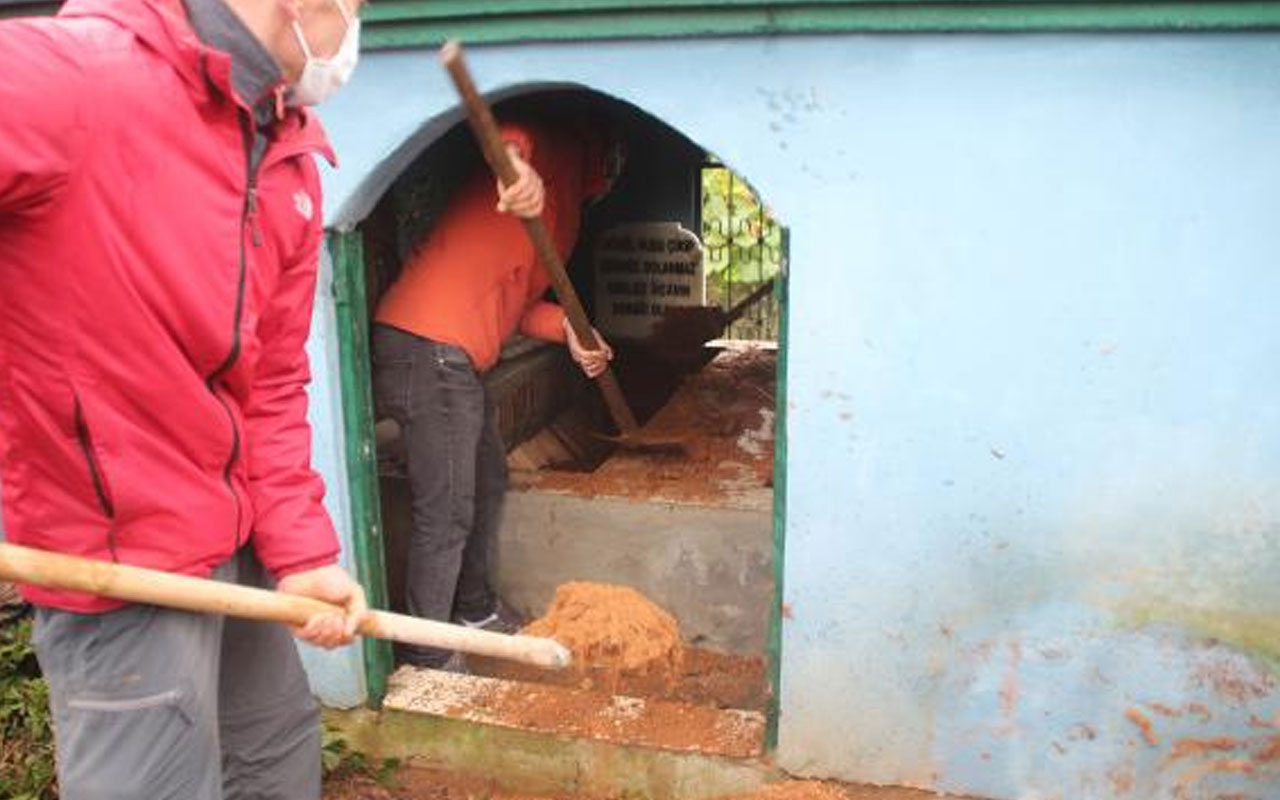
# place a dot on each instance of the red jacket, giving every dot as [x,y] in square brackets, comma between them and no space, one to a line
[475,279]
[154,302]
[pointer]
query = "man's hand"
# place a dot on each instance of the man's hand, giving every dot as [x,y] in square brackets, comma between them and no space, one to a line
[333,585]
[525,197]
[593,362]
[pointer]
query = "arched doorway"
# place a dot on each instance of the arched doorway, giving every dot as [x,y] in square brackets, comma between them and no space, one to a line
[699,534]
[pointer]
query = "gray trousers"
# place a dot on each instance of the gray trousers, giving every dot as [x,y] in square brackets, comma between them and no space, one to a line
[457,472]
[154,704]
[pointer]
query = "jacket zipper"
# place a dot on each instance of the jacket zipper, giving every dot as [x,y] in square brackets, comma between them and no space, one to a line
[98,477]
[248,218]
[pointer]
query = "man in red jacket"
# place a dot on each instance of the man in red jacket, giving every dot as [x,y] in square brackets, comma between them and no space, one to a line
[160,221]
[467,287]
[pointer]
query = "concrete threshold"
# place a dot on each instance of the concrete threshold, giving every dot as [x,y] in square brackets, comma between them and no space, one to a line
[537,739]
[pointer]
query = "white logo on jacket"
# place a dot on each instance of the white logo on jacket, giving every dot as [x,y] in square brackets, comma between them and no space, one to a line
[302,202]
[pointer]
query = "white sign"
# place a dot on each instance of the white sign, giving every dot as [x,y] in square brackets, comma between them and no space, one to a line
[641,270]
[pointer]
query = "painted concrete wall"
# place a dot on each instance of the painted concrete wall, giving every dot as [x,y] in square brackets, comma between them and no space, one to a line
[1034,475]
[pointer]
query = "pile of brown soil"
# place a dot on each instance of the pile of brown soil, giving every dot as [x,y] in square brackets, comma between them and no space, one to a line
[612,628]
[724,418]
[707,678]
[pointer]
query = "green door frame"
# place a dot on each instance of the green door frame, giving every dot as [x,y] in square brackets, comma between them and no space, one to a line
[777,608]
[349,294]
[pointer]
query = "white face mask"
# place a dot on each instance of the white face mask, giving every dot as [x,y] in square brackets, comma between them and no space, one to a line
[322,77]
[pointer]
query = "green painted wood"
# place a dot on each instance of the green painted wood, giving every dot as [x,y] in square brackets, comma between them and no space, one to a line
[414,23]
[778,616]
[362,462]
[450,9]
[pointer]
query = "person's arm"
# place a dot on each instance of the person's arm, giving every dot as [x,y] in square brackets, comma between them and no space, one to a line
[526,197]
[548,322]
[544,320]
[42,124]
[541,319]
[592,362]
[293,535]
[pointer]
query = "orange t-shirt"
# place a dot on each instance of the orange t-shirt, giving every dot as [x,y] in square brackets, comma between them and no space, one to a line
[475,279]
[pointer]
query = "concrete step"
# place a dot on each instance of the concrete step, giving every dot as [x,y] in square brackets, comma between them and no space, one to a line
[539,739]
[595,715]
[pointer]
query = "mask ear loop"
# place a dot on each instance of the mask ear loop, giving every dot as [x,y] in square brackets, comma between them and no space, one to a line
[302,40]
[346,15]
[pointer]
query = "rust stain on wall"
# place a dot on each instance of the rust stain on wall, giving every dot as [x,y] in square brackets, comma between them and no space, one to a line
[1144,725]
[1184,748]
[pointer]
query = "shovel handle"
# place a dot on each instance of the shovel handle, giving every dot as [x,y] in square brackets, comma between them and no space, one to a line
[495,152]
[201,595]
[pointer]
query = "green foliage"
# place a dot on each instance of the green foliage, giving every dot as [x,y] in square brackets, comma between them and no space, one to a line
[26,736]
[743,245]
[340,760]
[742,239]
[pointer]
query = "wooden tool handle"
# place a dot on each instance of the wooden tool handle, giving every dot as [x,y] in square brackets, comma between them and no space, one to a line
[495,152]
[138,585]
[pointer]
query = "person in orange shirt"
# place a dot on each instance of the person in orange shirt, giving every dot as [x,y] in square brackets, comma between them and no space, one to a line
[469,285]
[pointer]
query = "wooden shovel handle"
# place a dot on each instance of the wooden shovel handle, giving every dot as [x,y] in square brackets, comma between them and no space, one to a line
[495,152]
[139,585]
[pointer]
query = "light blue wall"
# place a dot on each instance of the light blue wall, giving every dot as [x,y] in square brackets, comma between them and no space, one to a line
[1034,464]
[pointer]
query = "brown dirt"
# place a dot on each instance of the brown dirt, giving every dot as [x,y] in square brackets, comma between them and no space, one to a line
[724,417]
[629,720]
[572,712]
[824,790]
[411,783]
[797,790]
[612,628]
[621,643]
[706,678]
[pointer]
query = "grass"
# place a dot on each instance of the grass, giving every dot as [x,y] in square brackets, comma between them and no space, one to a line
[26,736]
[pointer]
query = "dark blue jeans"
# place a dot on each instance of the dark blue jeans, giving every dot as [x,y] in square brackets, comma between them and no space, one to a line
[457,474]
